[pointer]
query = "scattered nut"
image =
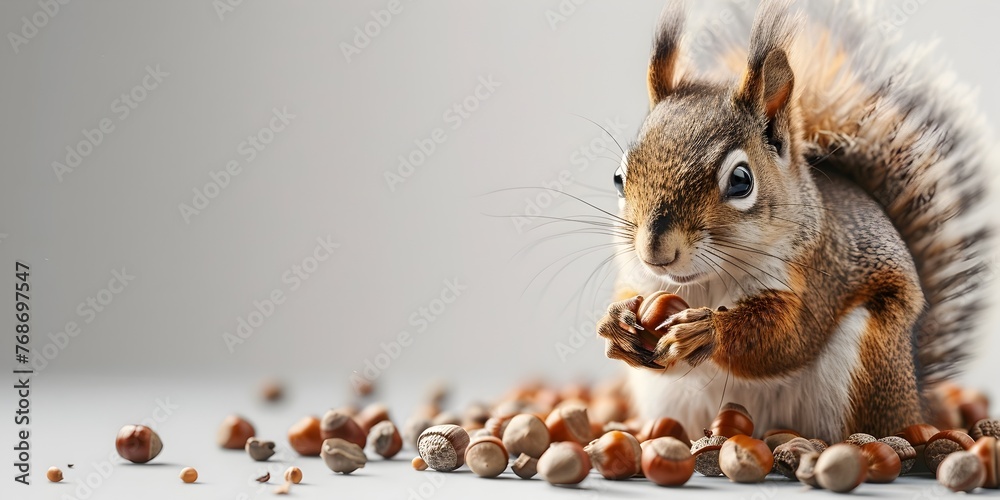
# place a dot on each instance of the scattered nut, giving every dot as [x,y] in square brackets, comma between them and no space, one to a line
[418,464]
[777,437]
[259,450]
[666,461]
[884,465]
[820,444]
[907,453]
[496,425]
[385,439]
[943,444]
[188,475]
[343,456]
[988,451]
[860,439]
[525,466]
[918,435]
[569,423]
[138,443]
[526,434]
[564,463]
[961,472]
[265,478]
[985,427]
[340,424]
[272,391]
[841,468]
[788,455]
[663,427]
[475,416]
[806,473]
[443,447]
[54,474]
[733,419]
[486,456]
[293,475]
[616,455]
[304,437]
[234,432]
[446,418]
[744,459]
[371,415]
[283,488]
[706,455]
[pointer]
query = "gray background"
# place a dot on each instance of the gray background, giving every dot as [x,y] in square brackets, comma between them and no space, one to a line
[323,175]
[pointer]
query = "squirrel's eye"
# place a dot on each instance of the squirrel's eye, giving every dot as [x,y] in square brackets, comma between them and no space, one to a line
[620,182]
[740,182]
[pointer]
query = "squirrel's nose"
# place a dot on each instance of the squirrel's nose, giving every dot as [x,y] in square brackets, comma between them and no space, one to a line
[658,249]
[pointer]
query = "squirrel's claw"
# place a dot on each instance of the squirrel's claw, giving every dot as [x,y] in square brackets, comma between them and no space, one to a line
[621,329]
[690,337]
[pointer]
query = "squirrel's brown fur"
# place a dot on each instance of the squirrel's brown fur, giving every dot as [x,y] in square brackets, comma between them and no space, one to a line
[859,251]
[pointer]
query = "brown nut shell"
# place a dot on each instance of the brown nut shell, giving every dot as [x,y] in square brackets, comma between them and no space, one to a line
[371,415]
[54,474]
[943,444]
[732,420]
[615,455]
[884,465]
[663,427]
[234,432]
[259,450]
[787,456]
[304,437]
[657,307]
[666,461]
[988,452]
[706,455]
[443,447]
[569,423]
[340,424]
[385,439]
[906,452]
[138,443]
[525,466]
[564,463]
[744,459]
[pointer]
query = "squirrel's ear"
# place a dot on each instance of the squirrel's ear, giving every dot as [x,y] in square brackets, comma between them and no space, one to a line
[768,87]
[663,61]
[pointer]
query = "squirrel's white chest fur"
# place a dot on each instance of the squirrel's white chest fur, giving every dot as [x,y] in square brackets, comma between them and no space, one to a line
[814,401]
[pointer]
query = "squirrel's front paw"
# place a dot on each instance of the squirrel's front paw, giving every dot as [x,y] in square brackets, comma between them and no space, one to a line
[690,336]
[624,334]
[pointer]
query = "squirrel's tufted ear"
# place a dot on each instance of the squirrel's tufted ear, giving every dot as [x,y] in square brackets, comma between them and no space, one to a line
[769,81]
[768,89]
[663,61]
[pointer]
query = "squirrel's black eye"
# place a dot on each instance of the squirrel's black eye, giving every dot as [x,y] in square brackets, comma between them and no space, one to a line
[620,182]
[740,182]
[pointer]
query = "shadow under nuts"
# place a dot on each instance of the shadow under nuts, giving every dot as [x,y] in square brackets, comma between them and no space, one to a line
[259,450]
[526,433]
[443,447]
[234,432]
[486,456]
[666,461]
[343,456]
[616,455]
[564,463]
[138,443]
[744,459]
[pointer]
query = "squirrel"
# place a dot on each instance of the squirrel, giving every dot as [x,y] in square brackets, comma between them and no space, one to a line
[819,203]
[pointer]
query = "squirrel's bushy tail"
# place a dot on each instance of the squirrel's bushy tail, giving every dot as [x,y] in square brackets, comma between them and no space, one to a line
[900,126]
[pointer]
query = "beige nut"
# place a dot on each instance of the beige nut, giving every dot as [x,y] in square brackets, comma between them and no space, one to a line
[486,456]
[526,433]
[564,463]
[342,456]
[259,450]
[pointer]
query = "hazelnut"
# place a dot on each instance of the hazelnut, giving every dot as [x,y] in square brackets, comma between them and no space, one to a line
[787,455]
[907,453]
[860,439]
[526,434]
[658,307]
[884,465]
[475,416]
[496,425]
[54,474]
[616,455]
[486,456]
[733,419]
[446,418]
[841,468]
[412,428]
[443,447]
[973,406]
[304,437]
[371,415]
[943,444]
[985,427]
[918,435]
[606,409]
[272,391]
[988,451]
[385,439]
[188,475]
[418,464]
[663,427]
[666,461]
[777,437]
[234,432]
[744,459]
[339,424]
[564,463]
[961,471]
[525,466]
[806,473]
[569,423]
[293,475]
[138,443]
[706,455]
[259,450]
[343,456]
